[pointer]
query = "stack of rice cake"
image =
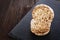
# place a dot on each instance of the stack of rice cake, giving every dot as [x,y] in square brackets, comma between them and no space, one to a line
[42,17]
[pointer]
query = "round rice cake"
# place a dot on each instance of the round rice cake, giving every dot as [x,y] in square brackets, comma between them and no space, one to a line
[43,11]
[39,28]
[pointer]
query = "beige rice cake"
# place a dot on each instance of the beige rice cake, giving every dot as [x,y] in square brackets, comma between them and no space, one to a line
[42,17]
[40,28]
[43,11]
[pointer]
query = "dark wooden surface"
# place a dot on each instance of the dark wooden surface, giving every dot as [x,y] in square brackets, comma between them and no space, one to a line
[11,12]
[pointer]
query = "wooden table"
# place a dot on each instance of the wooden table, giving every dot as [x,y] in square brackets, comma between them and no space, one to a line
[11,12]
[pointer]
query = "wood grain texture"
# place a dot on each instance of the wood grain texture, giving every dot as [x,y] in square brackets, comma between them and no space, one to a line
[11,12]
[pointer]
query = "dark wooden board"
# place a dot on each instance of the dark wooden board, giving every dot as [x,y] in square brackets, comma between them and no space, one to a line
[11,12]
[22,29]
